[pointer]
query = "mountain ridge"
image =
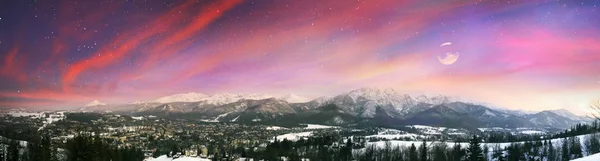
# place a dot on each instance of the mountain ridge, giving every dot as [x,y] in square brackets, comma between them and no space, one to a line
[382,106]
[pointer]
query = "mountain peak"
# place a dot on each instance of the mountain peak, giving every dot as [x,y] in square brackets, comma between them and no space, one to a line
[292,98]
[95,103]
[565,113]
[374,90]
[182,97]
[217,98]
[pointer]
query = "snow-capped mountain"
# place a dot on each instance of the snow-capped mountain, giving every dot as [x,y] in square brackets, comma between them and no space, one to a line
[568,114]
[182,97]
[551,119]
[215,99]
[292,98]
[365,101]
[94,103]
[379,106]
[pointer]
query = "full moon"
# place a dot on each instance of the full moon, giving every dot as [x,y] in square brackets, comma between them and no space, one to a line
[448,57]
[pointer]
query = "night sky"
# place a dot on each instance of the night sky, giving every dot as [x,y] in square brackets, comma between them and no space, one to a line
[529,55]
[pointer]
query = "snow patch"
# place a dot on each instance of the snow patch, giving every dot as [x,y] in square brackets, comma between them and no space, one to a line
[315,126]
[294,136]
[95,103]
[595,157]
[165,158]
[235,119]
[275,128]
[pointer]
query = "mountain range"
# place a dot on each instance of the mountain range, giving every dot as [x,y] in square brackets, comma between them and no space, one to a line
[383,107]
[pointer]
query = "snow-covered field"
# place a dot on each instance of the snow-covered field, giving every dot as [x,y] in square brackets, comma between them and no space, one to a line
[294,136]
[275,128]
[393,134]
[165,158]
[530,132]
[315,126]
[25,114]
[430,130]
[595,157]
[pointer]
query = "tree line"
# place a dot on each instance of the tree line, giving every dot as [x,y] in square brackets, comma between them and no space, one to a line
[79,148]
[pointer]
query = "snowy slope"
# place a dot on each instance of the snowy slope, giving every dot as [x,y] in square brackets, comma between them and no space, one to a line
[292,98]
[294,136]
[364,102]
[315,126]
[94,103]
[165,158]
[182,97]
[595,157]
[215,99]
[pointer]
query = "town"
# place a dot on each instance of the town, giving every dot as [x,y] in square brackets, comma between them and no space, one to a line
[153,135]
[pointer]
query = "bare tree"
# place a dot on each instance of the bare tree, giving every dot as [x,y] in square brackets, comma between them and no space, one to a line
[596,109]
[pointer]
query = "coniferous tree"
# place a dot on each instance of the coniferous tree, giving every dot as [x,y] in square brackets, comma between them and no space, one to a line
[412,152]
[565,154]
[474,152]
[498,153]
[551,152]
[515,152]
[592,144]
[369,153]
[2,152]
[13,151]
[439,152]
[346,151]
[423,151]
[575,148]
[457,152]
[486,151]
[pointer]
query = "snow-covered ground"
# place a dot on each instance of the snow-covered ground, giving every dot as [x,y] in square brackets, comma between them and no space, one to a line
[492,129]
[393,134]
[275,128]
[165,158]
[294,136]
[430,130]
[315,126]
[381,144]
[217,118]
[530,132]
[595,157]
[25,114]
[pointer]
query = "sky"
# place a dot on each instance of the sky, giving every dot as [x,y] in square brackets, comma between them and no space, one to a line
[527,55]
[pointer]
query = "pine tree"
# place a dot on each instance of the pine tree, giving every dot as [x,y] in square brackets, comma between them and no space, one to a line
[439,152]
[497,153]
[423,151]
[575,148]
[565,154]
[2,152]
[474,152]
[13,151]
[412,152]
[486,151]
[551,152]
[515,152]
[592,144]
[457,152]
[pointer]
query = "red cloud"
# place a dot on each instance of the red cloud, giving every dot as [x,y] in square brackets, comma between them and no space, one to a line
[13,67]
